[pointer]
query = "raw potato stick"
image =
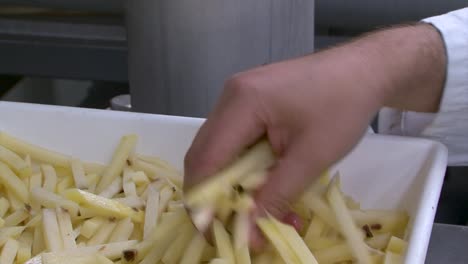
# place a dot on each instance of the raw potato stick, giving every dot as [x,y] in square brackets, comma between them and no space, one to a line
[52,200]
[122,231]
[14,184]
[126,146]
[81,182]
[103,234]
[272,234]
[36,153]
[66,229]
[16,217]
[9,251]
[114,188]
[259,157]
[223,242]
[194,250]
[111,251]
[25,247]
[50,178]
[38,240]
[4,205]
[152,212]
[295,242]
[102,206]
[52,237]
[172,254]
[347,226]
[15,162]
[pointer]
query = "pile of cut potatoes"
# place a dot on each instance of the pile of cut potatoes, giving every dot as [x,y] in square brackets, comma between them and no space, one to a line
[55,208]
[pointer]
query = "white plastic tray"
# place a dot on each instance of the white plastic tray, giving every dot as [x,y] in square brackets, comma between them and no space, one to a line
[381,172]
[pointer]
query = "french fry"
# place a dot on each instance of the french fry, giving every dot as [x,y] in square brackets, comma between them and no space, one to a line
[397,245]
[25,247]
[155,172]
[15,162]
[314,230]
[334,254]
[4,206]
[122,231]
[35,180]
[36,152]
[275,238]
[129,186]
[64,184]
[114,188]
[50,227]
[52,200]
[193,252]
[133,202]
[38,240]
[50,178]
[103,234]
[14,184]
[259,157]
[140,178]
[346,223]
[152,212]
[102,206]
[66,228]
[162,234]
[111,251]
[292,238]
[223,243]
[16,218]
[8,254]
[90,226]
[119,159]
[15,202]
[89,259]
[172,254]
[392,258]
[81,182]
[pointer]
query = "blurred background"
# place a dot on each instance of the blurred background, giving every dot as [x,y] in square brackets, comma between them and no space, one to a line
[171,57]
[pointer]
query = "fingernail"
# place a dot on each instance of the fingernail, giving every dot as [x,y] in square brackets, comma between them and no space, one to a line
[294,220]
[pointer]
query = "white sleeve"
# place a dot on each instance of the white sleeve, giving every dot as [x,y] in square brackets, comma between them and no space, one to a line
[450,124]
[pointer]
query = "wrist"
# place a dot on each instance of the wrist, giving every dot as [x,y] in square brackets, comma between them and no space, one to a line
[408,64]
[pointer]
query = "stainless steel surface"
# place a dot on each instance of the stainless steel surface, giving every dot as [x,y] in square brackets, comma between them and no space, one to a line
[87,5]
[181,52]
[363,15]
[64,48]
[448,245]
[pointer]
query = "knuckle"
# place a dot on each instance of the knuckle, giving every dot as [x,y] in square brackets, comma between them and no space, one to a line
[239,85]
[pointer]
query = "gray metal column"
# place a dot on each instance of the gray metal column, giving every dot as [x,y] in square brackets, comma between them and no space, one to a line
[181,51]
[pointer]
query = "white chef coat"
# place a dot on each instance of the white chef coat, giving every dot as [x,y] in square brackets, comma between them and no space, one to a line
[450,124]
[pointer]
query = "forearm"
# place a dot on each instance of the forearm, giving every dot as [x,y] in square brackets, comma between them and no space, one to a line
[409,62]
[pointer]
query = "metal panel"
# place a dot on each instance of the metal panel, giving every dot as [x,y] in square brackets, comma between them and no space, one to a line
[182,51]
[62,49]
[448,245]
[85,5]
[363,15]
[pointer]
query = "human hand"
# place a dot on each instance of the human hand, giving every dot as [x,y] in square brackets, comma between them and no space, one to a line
[313,110]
